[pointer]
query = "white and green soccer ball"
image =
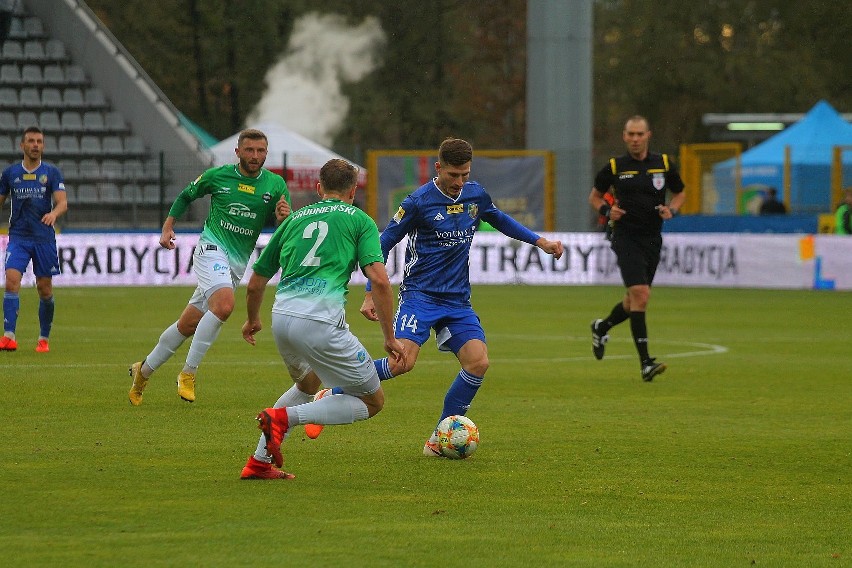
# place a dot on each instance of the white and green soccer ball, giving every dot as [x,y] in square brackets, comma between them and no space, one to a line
[458,437]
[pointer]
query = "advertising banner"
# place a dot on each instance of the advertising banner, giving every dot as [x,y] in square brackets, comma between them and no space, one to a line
[727,260]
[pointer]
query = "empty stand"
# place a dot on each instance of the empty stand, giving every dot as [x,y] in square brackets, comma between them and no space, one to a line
[102,161]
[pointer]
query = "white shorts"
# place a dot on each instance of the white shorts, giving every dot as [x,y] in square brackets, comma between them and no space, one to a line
[213,271]
[333,352]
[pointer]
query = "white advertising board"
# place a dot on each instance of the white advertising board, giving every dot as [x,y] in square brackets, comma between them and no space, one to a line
[734,260]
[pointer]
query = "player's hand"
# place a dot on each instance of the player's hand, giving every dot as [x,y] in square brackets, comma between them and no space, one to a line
[551,247]
[250,328]
[167,239]
[49,219]
[396,350]
[664,211]
[368,308]
[282,209]
[616,213]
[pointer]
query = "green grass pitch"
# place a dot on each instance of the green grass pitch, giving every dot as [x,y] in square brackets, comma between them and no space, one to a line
[740,454]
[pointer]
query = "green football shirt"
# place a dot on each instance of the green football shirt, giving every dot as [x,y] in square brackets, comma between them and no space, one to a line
[316,249]
[240,207]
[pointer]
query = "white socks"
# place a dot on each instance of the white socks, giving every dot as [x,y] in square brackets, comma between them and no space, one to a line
[205,334]
[337,409]
[169,341]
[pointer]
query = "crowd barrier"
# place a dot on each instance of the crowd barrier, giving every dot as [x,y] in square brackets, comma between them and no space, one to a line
[727,260]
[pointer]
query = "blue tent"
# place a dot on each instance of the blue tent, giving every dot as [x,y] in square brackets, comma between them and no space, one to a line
[811,140]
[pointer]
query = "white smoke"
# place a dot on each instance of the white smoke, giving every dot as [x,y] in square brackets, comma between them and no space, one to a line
[304,87]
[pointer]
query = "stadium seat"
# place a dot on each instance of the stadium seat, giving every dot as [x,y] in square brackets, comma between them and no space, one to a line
[9,123]
[7,147]
[70,170]
[152,169]
[115,122]
[51,97]
[134,146]
[112,170]
[29,98]
[49,121]
[90,170]
[151,193]
[133,170]
[132,193]
[12,52]
[112,145]
[34,51]
[31,74]
[53,75]
[91,145]
[72,121]
[33,27]
[109,193]
[16,29]
[93,121]
[74,75]
[50,144]
[87,193]
[95,98]
[26,118]
[10,74]
[73,98]
[54,50]
[69,145]
[8,98]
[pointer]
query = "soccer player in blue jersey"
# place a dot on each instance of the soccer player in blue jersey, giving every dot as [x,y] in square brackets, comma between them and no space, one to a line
[38,200]
[440,219]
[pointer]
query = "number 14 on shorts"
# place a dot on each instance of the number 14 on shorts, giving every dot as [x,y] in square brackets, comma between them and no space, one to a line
[408,321]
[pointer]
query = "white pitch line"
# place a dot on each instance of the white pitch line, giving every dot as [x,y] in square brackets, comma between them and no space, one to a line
[702,349]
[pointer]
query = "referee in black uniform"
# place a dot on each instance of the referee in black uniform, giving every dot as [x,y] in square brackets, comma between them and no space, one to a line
[639,180]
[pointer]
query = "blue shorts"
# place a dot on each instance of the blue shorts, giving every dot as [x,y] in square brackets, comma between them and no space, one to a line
[454,324]
[45,258]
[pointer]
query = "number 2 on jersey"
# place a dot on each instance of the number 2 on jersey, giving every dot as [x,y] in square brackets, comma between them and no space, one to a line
[321,230]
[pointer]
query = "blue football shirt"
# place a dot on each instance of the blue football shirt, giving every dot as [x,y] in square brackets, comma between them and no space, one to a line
[32,198]
[440,232]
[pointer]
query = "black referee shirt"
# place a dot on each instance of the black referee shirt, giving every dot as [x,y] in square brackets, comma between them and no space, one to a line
[639,187]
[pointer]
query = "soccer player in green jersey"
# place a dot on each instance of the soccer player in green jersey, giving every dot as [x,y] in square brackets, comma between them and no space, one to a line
[316,250]
[243,197]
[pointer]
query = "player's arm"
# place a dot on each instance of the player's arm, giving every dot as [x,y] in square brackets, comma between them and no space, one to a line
[60,206]
[676,202]
[181,203]
[382,296]
[599,204]
[254,299]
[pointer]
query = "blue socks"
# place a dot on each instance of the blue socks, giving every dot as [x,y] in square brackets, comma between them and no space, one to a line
[11,305]
[382,368]
[460,394]
[45,316]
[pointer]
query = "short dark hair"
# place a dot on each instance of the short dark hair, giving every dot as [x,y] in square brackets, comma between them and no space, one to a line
[338,176]
[455,152]
[638,118]
[251,134]
[31,130]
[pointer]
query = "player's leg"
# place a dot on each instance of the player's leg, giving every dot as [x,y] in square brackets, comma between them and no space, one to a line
[45,267]
[464,336]
[340,360]
[640,294]
[11,307]
[217,283]
[305,385]
[601,327]
[46,309]
[18,256]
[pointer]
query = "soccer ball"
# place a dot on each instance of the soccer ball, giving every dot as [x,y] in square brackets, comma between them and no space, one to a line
[458,437]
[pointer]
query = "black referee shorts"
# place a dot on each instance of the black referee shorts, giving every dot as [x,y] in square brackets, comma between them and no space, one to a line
[638,257]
